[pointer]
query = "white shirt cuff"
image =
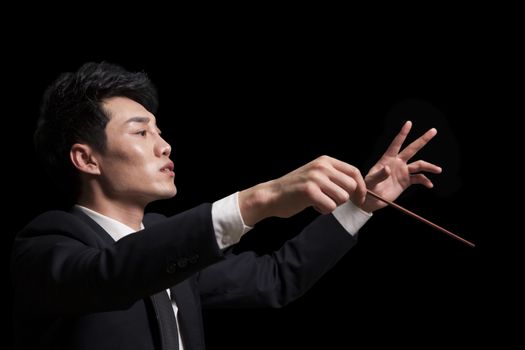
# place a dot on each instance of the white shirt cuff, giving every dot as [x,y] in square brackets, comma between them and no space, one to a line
[227,221]
[351,217]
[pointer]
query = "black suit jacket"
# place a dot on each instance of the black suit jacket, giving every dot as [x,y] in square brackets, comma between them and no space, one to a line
[75,288]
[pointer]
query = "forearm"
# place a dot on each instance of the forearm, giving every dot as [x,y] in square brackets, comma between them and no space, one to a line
[276,279]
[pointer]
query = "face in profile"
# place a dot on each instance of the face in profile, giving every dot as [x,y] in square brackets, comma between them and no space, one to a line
[135,165]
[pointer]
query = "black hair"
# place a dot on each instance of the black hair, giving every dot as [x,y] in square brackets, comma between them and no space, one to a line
[71,112]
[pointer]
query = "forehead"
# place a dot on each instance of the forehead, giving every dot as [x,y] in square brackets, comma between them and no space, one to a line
[122,109]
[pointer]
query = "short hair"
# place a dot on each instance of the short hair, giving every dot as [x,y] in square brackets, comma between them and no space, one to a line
[72,112]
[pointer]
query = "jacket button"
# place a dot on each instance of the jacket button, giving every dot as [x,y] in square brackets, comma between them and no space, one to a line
[171,267]
[182,262]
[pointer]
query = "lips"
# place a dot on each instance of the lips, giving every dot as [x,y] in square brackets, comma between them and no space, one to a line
[168,168]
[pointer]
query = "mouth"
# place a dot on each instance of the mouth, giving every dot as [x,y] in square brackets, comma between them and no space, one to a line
[168,169]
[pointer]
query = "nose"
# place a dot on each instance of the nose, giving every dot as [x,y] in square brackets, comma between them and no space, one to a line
[167,150]
[163,148]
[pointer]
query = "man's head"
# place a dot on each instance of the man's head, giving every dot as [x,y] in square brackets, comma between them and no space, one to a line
[97,127]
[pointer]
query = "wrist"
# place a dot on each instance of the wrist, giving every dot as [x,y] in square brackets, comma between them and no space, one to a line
[253,203]
[371,204]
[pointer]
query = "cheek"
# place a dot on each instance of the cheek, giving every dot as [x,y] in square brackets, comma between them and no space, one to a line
[121,171]
[152,169]
[130,161]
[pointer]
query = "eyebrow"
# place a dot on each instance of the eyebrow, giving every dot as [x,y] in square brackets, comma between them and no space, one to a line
[143,120]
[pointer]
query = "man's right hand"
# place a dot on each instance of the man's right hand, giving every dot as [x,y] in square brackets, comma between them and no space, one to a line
[324,184]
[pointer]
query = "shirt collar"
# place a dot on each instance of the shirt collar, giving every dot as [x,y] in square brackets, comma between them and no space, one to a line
[114,228]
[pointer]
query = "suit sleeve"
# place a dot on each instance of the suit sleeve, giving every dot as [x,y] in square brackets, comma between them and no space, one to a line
[59,268]
[276,279]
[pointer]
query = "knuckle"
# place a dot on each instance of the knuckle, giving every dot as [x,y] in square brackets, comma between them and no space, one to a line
[315,177]
[324,158]
[310,189]
[355,171]
[319,166]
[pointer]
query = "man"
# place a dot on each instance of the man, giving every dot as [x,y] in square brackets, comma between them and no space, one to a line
[82,280]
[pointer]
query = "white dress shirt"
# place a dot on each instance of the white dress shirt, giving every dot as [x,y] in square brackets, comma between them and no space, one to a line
[228,225]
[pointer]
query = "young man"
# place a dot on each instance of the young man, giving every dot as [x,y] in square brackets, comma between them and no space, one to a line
[82,280]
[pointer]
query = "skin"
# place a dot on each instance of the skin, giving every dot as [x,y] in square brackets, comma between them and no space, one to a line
[326,183]
[135,170]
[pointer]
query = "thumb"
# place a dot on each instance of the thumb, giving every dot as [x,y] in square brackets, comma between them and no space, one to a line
[378,176]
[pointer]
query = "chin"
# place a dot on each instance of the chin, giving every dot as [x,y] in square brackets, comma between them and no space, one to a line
[162,192]
[169,193]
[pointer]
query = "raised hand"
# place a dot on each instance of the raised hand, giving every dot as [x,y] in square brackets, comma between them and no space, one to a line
[392,174]
[324,183]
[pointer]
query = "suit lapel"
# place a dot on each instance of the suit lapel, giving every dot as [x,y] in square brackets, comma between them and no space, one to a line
[190,314]
[189,318]
[103,237]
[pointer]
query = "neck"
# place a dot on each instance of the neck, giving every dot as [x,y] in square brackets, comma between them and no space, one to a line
[130,214]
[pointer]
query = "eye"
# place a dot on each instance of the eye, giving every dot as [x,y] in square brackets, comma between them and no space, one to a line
[141,133]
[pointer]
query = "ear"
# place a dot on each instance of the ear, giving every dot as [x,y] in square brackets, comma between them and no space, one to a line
[84,159]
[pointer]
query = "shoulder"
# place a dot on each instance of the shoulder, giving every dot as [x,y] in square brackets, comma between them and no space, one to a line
[53,222]
[153,218]
[52,219]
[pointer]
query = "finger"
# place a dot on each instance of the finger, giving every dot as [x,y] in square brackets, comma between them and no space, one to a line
[415,146]
[359,192]
[347,183]
[377,177]
[421,165]
[420,179]
[396,144]
[322,203]
[336,193]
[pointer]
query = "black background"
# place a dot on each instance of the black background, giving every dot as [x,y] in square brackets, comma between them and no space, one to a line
[239,112]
